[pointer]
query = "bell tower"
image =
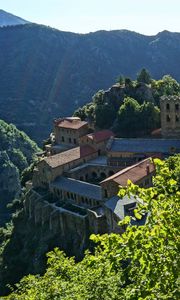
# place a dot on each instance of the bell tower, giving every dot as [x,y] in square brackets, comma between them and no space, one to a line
[170,116]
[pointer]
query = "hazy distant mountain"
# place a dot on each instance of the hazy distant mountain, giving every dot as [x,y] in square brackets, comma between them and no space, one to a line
[46,73]
[7,19]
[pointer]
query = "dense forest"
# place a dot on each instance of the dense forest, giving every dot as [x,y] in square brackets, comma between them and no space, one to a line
[17,152]
[142,263]
[46,73]
[130,107]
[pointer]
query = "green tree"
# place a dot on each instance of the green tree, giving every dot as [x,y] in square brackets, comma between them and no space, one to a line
[144,76]
[120,79]
[128,82]
[104,116]
[128,117]
[149,117]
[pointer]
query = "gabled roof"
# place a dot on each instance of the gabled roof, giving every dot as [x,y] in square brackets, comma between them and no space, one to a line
[133,173]
[70,123]
[100,136]
[69,156]
[117,205]
[137,145]
[122,207]
[78,187]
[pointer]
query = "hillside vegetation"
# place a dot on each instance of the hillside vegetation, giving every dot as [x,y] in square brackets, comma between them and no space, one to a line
[17,152]
[130,107]
[46,73]
[142,263]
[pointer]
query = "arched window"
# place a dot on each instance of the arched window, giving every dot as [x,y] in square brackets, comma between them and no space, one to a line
[94,175]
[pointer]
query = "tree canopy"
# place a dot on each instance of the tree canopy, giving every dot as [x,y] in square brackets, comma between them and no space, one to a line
[134,119]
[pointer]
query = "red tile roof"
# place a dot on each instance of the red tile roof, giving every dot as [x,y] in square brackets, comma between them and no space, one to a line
[133,173]
[68,156]
[70,123]
[100,136]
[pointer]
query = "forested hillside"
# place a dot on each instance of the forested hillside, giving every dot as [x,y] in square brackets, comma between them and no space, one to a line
[17,152]
[142,263]
[46,73]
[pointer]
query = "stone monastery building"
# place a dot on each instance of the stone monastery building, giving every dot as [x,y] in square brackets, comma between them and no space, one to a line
[75,185]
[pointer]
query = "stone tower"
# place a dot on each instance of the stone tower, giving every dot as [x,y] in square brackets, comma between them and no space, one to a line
[170,116]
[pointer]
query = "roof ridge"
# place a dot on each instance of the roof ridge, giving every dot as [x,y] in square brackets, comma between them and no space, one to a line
[125,170]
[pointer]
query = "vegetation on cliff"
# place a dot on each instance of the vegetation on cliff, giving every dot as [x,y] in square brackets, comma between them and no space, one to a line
[142,263]
[130,108]
[17,152]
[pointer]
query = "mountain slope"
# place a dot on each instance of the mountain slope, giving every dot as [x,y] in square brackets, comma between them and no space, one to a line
[7,19]
[17,151]
[46,73]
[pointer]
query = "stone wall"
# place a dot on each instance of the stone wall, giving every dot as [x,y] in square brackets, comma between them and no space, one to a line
[72,228]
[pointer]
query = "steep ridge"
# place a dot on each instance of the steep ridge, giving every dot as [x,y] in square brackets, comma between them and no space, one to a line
[7,19]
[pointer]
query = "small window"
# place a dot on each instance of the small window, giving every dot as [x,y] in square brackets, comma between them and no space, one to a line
[177,118]
[105,193]
[168,119]
[62,139]
[177,106]
[168,106]
[69,140]
[75,141]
